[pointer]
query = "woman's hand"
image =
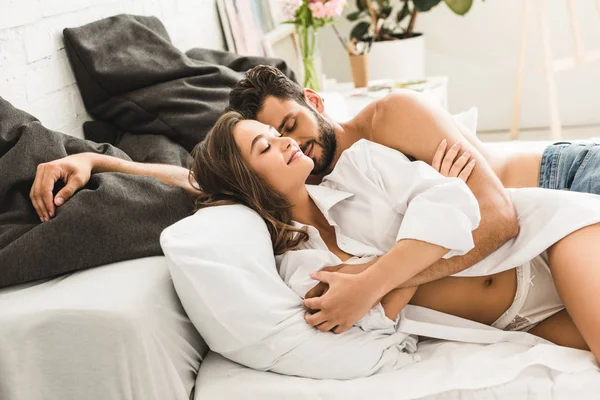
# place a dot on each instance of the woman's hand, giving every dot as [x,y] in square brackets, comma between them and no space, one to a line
[321,288]
[446,163]
[348,298]
[74,171]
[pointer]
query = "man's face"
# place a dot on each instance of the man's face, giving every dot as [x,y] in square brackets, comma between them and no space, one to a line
[311,130]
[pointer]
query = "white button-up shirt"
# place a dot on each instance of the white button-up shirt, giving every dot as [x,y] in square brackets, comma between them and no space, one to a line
[374,198]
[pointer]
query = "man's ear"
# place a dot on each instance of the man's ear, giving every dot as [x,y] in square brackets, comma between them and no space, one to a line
[314,99]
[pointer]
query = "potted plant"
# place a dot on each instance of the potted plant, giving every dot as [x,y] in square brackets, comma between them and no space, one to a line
[395,50]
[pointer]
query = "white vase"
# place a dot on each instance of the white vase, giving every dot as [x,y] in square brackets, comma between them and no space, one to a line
[398,59]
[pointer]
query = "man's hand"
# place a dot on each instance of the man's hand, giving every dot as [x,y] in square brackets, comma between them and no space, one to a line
[74,171]
[348,298]
[446,163]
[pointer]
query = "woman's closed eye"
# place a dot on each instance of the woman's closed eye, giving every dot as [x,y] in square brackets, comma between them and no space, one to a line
[266,148]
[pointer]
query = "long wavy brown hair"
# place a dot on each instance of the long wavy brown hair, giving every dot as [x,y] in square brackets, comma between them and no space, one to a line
[220,172]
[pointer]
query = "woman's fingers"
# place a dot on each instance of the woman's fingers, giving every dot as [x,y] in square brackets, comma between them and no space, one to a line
[314,303]
[315,319]
[439,155]
[41,190]
[449,158]
[46,184]
[36,195]
[326,326]
[459,164]
[341,329]
[466,172]
[319,290]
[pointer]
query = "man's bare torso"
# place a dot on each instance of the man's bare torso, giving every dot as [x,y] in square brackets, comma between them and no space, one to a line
[515,168]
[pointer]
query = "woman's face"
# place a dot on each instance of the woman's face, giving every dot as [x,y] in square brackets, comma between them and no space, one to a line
[276,159]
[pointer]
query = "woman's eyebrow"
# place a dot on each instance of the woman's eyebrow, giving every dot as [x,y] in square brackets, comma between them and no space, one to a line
[256,139]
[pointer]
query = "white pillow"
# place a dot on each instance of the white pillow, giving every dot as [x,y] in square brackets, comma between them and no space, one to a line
[338,108]
[468,119]
[223,268]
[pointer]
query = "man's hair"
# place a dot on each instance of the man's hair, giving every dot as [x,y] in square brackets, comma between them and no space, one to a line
[248,96]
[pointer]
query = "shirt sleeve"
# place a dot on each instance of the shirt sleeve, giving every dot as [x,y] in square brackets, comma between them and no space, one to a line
[436,209]
[296,266]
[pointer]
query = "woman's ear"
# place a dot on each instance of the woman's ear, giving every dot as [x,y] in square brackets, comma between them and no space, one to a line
[314,99]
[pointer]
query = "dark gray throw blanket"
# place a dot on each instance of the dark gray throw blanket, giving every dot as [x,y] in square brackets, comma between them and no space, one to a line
[130,74]
[114,217]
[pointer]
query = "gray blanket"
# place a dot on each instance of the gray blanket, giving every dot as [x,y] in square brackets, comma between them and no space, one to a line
[114,217]
[154,103]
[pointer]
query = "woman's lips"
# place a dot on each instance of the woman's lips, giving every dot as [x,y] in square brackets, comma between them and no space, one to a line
[297,154]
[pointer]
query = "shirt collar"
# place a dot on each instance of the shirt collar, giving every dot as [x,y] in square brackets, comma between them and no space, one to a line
[325,197]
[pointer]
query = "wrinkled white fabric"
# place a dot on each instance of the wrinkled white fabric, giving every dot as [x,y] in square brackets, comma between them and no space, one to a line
[447,371]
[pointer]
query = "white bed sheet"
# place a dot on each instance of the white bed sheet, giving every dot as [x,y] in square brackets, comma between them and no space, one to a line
[113,332]
[449,370]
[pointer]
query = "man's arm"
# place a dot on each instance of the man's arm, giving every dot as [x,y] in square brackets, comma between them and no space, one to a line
[407,122]
[75,172]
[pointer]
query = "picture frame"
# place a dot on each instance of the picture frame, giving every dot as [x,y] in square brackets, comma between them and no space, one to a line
[244,24]
[225,26]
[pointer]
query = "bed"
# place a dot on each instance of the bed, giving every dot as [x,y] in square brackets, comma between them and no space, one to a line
[112,332]
[449,371]
[118,331]
[223,280]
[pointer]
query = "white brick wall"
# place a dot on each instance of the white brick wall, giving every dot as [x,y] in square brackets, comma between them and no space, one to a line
[34,71]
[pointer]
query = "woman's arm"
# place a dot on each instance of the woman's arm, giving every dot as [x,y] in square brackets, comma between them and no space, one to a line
[170,174]
[392,303]
[75,171]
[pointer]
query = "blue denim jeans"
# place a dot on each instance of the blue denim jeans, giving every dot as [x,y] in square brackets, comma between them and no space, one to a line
[571,166]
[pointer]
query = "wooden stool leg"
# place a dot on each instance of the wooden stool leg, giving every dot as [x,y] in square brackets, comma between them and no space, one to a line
[549,70]
[514,128]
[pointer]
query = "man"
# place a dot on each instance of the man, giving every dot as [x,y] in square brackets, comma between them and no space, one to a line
[403,121]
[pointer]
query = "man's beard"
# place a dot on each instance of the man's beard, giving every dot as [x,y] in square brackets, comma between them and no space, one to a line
[328,143]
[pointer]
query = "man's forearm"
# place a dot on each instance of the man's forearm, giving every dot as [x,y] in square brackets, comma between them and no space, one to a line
[491,234]
[169,174]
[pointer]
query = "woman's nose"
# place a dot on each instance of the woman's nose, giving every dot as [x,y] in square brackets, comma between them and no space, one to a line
[287,142]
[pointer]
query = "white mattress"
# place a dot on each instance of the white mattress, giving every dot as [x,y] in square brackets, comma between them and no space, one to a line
[112,332]
[449,370]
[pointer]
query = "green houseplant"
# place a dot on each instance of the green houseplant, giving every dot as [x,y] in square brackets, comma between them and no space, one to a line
[376,22]
[385,29]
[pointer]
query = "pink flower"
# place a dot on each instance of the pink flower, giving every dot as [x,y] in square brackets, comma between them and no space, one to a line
[318,9]
[334,8]
[326,8]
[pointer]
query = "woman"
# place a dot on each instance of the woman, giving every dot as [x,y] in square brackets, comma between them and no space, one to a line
[246,162]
